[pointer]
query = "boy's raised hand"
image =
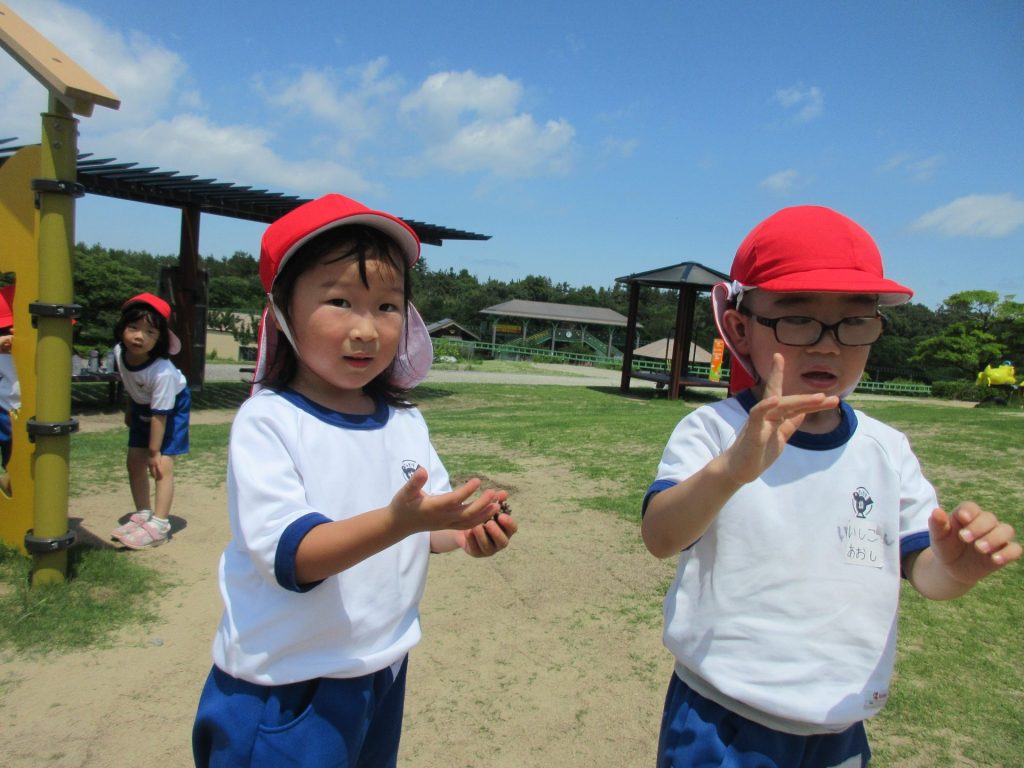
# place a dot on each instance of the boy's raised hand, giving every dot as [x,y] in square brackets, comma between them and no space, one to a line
[971,543]
[770,425]
[417,511]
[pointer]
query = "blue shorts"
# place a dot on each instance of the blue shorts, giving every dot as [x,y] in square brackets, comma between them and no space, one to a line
[698,733]
[6,437]
[175,434]
[325,723]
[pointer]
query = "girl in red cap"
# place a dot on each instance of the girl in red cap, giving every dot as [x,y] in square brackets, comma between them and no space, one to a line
[794,516]
[336,499]
[10,389]
[159,402]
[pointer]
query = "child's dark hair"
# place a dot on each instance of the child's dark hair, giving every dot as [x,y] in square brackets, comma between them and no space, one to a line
[133,313]
[355,241]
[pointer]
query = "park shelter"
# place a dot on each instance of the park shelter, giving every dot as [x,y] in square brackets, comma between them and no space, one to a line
[690,279]
[662,350]
[449,329]
[567,323]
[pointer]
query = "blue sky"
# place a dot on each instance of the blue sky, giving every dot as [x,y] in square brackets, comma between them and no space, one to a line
[590,139]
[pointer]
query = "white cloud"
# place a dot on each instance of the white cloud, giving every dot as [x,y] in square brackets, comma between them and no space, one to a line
[352,104]
[990,216]
[141,73]
[612,147]
[192,143]
[919,169]
[515,147]
[332,125]
[975,216]
[807,102]
[783,181]
[473,123]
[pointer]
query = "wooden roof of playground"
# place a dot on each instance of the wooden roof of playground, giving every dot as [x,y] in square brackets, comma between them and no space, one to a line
[148,184]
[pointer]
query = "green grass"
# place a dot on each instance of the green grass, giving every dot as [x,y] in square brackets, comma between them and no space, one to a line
[959,688]
[105,592]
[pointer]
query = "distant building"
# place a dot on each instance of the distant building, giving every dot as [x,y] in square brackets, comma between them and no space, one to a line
[662,350]
[555,324]
[448,329]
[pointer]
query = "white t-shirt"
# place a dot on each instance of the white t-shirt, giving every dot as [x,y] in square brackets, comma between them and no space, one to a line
[10,389]
[155,383]
[292,465]
[785,609]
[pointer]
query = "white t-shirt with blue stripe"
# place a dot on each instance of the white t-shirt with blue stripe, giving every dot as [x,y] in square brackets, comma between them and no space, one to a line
[785,609]
[293,465]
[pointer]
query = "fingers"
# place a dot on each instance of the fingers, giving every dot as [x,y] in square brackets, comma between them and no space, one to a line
[988,535]
[773,383]
[491,537]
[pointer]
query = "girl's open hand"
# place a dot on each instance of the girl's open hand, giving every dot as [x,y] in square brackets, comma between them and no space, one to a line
[489,538]
[770,425]
[415,510]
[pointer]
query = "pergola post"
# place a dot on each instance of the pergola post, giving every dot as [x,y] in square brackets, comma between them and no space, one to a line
[627,353]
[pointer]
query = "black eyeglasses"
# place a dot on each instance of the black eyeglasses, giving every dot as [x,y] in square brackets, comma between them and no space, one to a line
[806,331]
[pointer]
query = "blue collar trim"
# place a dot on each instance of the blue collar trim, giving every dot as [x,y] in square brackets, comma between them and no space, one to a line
[376,420]
[807,440]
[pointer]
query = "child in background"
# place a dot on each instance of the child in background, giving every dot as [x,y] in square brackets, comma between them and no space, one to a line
[159,402]
[10,389]
[336,499]
[794,516]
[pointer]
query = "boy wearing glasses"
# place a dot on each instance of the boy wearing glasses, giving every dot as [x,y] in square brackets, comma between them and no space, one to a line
[795,516]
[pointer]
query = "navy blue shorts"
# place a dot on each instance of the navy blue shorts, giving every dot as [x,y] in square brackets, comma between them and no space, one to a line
[176,433]
[6,437]
[325,723]
[698,733]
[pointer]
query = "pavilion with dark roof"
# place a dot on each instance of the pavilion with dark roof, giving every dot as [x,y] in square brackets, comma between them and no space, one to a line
[688,278]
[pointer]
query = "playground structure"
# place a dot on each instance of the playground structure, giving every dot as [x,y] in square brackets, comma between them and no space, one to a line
[1003,376]
[565,324]
[38,187]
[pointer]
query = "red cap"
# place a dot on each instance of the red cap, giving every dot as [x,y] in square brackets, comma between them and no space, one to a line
[164,309]
[300,225]
[7,306]
[297,227]
[804,248]
[811,248]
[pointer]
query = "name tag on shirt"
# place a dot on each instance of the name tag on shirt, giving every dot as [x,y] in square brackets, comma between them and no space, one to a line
[863,543]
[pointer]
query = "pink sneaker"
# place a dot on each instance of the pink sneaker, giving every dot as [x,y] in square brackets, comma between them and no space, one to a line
[134,522]
[146,536]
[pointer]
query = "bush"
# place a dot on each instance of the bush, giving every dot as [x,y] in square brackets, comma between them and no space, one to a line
[967,391]
[447,348]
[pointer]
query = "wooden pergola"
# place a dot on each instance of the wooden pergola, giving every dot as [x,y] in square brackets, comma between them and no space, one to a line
[689,279]
[183,286]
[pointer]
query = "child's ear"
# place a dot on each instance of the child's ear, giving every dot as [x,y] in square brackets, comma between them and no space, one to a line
[735,325]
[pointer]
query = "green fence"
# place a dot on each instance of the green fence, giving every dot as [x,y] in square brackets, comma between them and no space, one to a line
[695,370]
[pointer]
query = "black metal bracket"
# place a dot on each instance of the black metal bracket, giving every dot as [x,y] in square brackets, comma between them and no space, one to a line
[40,545]
[45,309]
[58,187]
[49,428]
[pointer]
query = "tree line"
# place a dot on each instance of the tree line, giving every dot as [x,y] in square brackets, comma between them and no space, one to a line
[969,330]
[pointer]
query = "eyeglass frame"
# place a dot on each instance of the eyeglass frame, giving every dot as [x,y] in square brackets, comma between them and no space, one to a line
[773,322]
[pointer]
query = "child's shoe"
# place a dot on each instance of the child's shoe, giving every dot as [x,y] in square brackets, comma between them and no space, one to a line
[140,517]
[151,533]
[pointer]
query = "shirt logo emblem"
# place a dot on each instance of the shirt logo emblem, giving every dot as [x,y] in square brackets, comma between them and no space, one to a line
[862,502]
[408,467]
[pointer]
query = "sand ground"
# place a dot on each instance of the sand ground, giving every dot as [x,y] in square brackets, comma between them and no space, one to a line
[546,655]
